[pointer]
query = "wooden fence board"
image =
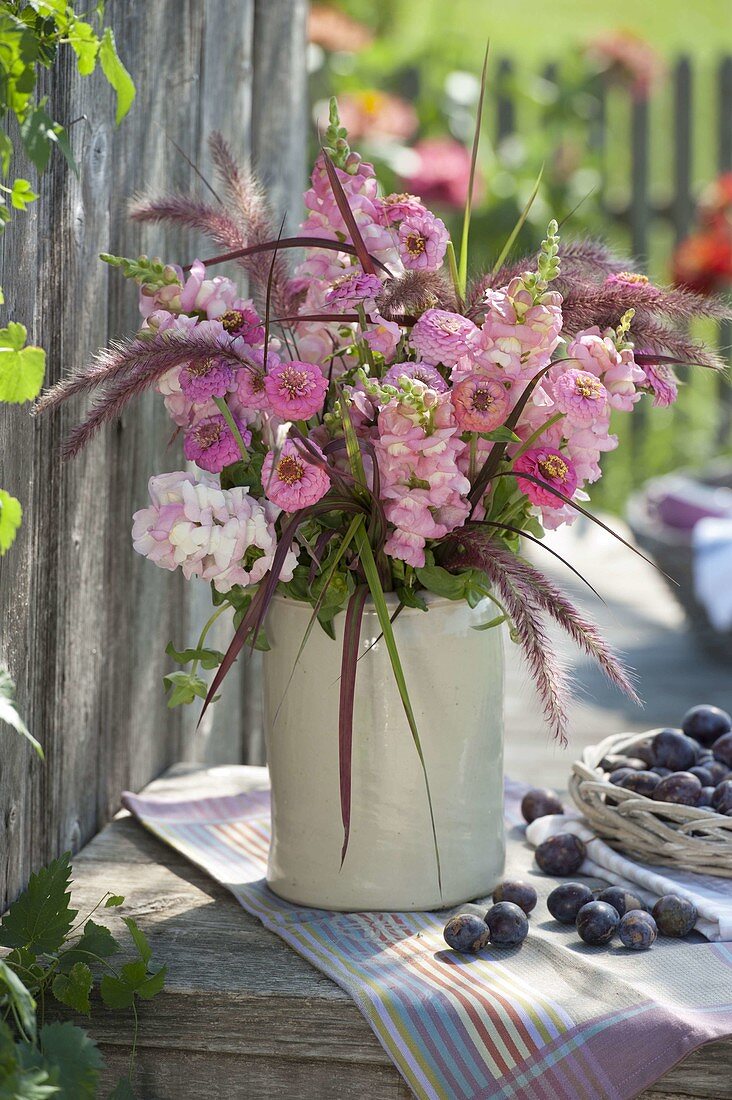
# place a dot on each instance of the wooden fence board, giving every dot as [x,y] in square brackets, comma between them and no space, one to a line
[83,620]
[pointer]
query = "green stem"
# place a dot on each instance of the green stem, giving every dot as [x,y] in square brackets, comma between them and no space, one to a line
[364,344]
[535,435]
[135,1030]
[452,265]
[226,413]
[207,626]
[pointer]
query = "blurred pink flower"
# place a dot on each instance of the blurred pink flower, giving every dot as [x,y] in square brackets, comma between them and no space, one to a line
[662,383]
[443,173]
[377,115]
[627,59]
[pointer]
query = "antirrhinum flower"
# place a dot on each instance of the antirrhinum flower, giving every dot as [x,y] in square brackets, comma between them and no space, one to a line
[200,381]
[550,466]
[580,395]
[296,390]
[226,537]
[480,402]
[662,383]
[422,241]
[211,444]
[440,336]
[291,480]
[597,354]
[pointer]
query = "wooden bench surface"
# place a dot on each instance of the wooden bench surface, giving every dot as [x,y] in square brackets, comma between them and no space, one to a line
[242,1015]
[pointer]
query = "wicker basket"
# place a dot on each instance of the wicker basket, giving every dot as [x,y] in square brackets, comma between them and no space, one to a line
[654,832]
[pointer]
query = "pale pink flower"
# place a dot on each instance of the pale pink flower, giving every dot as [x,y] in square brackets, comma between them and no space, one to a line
[481,403]
[291,481]
[550,466]
[354,289]
[396,207]
[250,388]
[223,536]
[211,445]
[421,371]
[518,334]
[422,241]
[296,390]
[383,337]
[617,370]
[213,297]
[580,395]
[441,337]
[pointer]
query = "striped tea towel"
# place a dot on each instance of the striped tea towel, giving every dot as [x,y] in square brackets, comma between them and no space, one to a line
[550,1020]
[711,896]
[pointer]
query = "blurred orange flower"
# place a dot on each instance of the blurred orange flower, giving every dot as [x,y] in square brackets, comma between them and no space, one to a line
[373,114]
[335,31]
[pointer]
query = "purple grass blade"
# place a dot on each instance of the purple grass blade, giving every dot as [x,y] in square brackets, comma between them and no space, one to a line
[349,664]
[288,242]
[341,199]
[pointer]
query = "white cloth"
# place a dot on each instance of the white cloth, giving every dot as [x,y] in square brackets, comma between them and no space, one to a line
[712,896]
[712,547]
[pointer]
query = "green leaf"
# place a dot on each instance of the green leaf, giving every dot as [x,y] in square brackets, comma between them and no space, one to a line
[85,45]
[207,658]
[122,1090]
[21,368]
[73,989]
[6,152]
[411,598]
[8,709]
[435,579]
[113,901]
[20,999]
[22,194]
[141,942]
[73,1055]
[116,74]
[134,980]
[96,942]
[500,435]
[41,918]
[38,133]
[184,688]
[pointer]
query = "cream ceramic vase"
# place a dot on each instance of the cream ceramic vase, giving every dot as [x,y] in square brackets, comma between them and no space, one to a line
[454,674]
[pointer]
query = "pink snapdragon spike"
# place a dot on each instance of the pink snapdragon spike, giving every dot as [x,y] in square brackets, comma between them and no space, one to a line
[422,241]
[201,381]
[481,403]
[295,390]
[223,536]
[211,443]
[383,337]
[580,396]
[550,466]
[442,337]
[518,334]
[292,482]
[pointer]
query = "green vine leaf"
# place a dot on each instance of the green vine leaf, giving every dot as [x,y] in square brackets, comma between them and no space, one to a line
[8,709]
[38,133]
[22,368]
[184,687]
[22,194]
[113,901]
[116,74]
[133,981]
[97,942]
[41,918]
[20,999]
[207,658]
[85,45]
[73,989]
[122,1090]
[11,514]
[71,1058]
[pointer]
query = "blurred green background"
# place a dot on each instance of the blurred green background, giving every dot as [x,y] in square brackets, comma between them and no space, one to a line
[626,107]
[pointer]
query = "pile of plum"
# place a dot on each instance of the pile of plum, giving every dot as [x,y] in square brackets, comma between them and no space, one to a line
[691,766]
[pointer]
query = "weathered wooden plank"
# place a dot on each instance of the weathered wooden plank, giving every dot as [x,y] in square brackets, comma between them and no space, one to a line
[83,621]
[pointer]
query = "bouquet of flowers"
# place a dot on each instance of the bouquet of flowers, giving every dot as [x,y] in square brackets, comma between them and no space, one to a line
[375,421]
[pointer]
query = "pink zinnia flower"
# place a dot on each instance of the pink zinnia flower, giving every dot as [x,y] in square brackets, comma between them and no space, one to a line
[662,383]
[422,241]
[421,371]
[441,337]
[481,403]
[292,482]
[250,389]
[211,445]
[618,371]
[296,390]
[580,395]
[551,467]
[354,289]
[200,381]
[396,207]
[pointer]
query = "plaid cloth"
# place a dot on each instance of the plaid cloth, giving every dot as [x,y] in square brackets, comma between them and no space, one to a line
[550,1020]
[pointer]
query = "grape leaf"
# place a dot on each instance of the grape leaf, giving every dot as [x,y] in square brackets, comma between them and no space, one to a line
[113,901]
[11,514]
[70,1056]
[141,943]
[38,132]
[22,194]
[96,942]
[8,708]
[134,980]
[21,368]
[41,918]
[184,688]
[85,45]
[116,74]
[73,989]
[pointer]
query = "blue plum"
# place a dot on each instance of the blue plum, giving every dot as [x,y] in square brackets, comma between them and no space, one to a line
[673,749]
[643,783]
[681,788]
[597,923]
[507,923]
[637,930]
[540,802]
[522,894]
[675,916]
[722,749]
[466,932]
[562,854]
[565,901]
[621,900]
[706,723]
